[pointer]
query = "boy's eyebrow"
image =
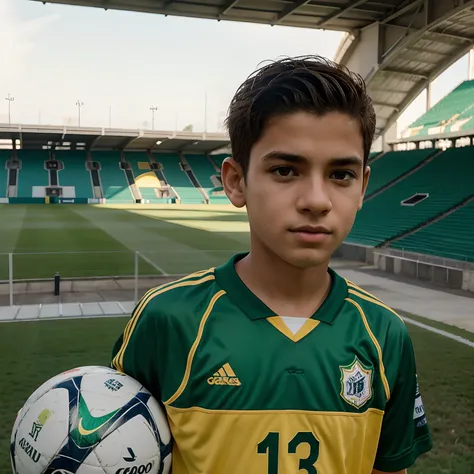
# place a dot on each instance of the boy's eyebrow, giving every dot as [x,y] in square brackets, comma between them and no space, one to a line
[295,158]
[284,156]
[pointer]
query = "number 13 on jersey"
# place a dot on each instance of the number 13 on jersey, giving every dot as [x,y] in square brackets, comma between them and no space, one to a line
[271,444]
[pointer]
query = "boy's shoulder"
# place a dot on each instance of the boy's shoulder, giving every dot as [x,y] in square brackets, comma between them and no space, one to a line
[179,296]
[377,315]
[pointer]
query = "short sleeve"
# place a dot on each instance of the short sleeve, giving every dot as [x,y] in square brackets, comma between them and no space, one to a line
[136,351]
[405,434]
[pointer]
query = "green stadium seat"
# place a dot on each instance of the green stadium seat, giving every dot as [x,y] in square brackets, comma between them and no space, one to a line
[203,170]
[75,172]
[114,181]
[452,113]
[178,179]
[447,179]
[392,165]
[32,171]
[451,237]
[145,178]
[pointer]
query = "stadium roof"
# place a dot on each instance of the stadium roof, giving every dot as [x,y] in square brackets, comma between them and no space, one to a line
[33,136]
[398,46]
[341,15]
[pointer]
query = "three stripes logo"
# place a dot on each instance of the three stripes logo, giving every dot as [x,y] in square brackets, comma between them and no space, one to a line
[224,376]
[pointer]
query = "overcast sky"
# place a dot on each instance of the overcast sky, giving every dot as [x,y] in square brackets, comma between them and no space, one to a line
[53,55]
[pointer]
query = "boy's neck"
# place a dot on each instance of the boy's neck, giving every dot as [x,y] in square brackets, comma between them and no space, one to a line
[285,289]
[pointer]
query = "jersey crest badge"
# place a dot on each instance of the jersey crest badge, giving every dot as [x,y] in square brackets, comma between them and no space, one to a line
[356,383]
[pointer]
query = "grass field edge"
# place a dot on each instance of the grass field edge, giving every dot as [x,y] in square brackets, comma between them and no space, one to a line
[447,328]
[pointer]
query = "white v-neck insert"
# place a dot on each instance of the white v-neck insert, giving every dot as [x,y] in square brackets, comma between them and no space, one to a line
[294,324]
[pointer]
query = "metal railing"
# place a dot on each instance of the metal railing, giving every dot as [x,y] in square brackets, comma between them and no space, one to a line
[35,272]
[456,260]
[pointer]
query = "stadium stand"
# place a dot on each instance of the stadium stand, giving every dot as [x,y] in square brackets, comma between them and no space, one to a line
[392,165]
[5,155]
[447,181]
[450,237]
[453,113]
[74,172]
[206,174]
[372,155]
[33,172]
[145,178]
[178,179]
[114,183]
[218,159]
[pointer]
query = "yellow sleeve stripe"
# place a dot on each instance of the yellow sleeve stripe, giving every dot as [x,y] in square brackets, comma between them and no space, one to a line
[377,302]
[194,347]
[361,290]
[138,309]
[377,347]
[118,359]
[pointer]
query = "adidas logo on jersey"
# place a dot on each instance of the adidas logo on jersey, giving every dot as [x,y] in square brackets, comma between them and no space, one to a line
[224,376]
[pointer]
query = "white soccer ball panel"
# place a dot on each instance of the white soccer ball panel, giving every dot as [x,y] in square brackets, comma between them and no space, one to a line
[88,469]
[167,464]
[161,420]
[107,392]
[132,445]
[42,429]
[68,374]
[90,465]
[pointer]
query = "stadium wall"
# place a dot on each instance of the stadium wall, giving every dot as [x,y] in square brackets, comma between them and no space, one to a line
[452,274]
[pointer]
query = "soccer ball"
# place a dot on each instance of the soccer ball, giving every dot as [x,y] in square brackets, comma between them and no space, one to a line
[91,420]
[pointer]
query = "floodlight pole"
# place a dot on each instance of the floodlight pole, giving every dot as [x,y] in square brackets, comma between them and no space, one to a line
[10,100]
[205,112]
[79,105]
[153,109]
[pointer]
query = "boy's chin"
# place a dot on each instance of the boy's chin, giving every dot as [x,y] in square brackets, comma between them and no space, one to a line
[307,258]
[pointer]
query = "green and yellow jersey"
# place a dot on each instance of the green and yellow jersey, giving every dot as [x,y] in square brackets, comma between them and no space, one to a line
[244,394]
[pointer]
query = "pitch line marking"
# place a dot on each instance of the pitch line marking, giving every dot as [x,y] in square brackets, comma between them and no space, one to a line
[455,337]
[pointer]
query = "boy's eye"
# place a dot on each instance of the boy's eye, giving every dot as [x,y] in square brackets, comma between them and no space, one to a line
[284,172]
[343,175]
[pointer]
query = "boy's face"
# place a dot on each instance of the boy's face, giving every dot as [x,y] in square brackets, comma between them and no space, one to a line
[304,186]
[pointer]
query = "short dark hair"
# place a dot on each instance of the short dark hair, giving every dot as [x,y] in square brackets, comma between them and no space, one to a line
[306,83]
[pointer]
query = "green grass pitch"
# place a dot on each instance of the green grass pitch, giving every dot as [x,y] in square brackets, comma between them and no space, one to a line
[96,241]
[175,240]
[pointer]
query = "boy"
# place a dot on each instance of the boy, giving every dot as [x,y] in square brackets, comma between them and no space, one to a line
[273,363]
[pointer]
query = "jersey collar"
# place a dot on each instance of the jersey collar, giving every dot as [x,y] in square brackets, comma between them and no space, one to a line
[228,279]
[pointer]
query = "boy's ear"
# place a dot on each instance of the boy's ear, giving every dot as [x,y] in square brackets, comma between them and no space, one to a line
[364,186]
[233,181]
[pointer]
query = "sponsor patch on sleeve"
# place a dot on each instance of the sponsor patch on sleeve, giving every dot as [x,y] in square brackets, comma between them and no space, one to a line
[419,411]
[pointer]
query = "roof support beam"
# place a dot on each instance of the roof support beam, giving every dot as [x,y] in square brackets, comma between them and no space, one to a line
[417,34]
[402,11]
[349,6]
[290,9]
[450,35]
[227,8]
[405,73]
[434,32]
[384,104]
[367,9]
[383,90]
[419,59]
[427,51]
